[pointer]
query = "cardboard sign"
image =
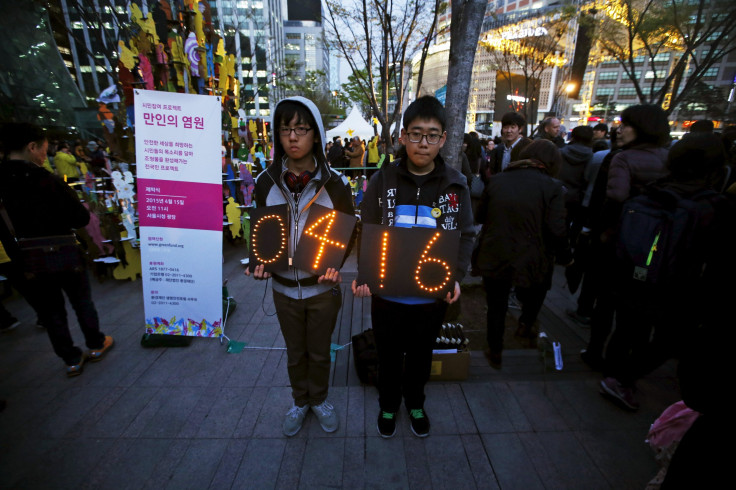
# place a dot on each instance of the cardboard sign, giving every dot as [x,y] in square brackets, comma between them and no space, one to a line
[269,238]
[324,240]
[408,261]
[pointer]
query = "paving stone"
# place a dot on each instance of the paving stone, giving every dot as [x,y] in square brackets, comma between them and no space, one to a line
[130,463]
[253,473]
[355,420]
[447,462]
[116,416]
[621,456]
[250,413]
[290,471]
[460,410]
[225,410]
[229,464]
[511,464]
[478,461]
[323,463]
[353,469]
[538,408]
[561,461]
[439,410]
[198,417]
[167,413]
[198,465]
[385,463]
[494,408]
[418,469]
[67,465]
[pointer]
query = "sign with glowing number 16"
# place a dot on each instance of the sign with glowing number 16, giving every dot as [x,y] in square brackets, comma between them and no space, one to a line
[408,261]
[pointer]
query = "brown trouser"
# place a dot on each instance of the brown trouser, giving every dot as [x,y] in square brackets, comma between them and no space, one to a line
[307,326]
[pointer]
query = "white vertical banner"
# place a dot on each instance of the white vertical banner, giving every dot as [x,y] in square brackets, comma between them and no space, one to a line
[179,170]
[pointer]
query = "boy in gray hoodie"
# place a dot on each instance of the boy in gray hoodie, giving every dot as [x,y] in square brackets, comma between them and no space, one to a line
[306,304]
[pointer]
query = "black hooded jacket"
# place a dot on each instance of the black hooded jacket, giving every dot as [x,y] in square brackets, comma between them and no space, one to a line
[575,157]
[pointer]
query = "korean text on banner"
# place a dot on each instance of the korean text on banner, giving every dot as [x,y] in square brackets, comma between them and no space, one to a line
[177,144]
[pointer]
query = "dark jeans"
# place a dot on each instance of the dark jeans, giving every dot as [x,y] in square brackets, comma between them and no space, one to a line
[17,280]
[47,294]
[597,292]
[649,331]
[307,326]
[497,299]
[405,336]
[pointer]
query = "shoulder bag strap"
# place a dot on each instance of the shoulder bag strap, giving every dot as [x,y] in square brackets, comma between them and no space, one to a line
[6,218]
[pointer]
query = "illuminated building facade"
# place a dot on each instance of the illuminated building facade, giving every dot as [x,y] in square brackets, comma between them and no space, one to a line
[603,89]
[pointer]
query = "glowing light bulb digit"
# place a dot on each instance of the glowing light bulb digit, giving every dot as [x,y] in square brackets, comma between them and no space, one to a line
[282,230]
[324,238]
[425,259]
[384,252]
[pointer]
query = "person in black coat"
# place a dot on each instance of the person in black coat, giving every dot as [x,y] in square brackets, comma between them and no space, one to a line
[523,215]
[40,204]
[335,157]
[575,158]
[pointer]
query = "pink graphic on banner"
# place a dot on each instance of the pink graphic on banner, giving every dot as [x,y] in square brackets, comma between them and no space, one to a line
[170,204]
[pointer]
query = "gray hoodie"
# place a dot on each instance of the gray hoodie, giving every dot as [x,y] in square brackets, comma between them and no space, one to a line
[334,193]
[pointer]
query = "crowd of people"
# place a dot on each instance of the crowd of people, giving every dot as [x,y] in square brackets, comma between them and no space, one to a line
[521,206]
[76,160]
[355,153]
[588,203]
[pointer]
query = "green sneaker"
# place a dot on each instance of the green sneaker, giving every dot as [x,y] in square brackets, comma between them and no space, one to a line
[294,419]
[386,424]
[419,422]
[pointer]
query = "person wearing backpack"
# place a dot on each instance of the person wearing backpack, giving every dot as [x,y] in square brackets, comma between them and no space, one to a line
[665,240]
[640,159]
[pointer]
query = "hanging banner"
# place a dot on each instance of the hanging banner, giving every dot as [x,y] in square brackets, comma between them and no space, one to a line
[177,144]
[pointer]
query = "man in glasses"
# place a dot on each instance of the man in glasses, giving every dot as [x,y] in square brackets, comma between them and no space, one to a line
[416,189]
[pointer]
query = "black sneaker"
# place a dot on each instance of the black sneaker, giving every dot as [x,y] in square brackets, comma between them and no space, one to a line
[581,319]
[386,424]
[9,324]
[419,422]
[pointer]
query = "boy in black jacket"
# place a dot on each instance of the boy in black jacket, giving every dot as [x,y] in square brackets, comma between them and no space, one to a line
[417,189]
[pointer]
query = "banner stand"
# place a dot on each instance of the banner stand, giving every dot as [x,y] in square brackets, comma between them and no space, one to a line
[165,340]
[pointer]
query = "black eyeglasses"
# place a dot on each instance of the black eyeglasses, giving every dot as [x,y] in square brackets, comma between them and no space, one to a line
[416,137]
[299,131]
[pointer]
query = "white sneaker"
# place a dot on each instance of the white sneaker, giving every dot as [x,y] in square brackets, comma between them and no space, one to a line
[327,416]
[294,419]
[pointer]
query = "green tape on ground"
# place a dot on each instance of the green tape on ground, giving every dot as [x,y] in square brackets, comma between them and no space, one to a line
[235,347]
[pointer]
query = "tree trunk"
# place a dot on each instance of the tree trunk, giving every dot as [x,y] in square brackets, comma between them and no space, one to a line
[467,18]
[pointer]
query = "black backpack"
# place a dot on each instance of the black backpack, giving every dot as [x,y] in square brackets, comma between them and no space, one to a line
[657,237]
[365,356]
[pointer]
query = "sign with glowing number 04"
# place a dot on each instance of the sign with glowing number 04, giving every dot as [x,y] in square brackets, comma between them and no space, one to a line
[323,242]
